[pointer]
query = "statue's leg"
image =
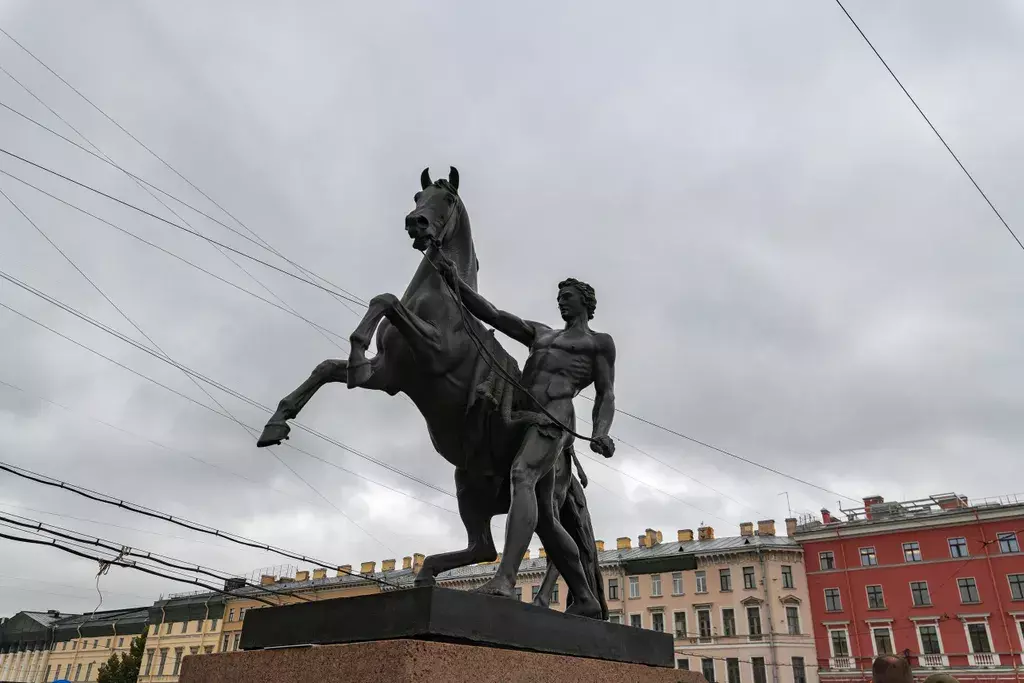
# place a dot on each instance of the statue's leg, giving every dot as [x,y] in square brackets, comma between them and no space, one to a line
[476,507]
[422,337]
[329,371]
[562,474]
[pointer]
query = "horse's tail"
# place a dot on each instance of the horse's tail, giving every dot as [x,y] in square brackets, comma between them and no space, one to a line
[575,518]
[579,467]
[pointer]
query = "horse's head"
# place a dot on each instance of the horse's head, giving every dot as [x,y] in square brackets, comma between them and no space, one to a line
[437,204]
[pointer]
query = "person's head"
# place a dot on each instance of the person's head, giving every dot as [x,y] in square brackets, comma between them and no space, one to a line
[941,678]
[576,299]
[891,669]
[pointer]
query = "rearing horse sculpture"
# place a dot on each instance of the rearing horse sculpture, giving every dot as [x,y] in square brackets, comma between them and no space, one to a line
[425,351]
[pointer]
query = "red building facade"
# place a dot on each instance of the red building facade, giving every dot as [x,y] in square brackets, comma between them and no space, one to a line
[939,580]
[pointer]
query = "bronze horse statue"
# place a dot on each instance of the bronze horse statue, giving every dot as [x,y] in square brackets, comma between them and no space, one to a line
[425,350]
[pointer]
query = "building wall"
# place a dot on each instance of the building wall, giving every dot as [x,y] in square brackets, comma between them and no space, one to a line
[24,665]
[169,642]
[950,612]
[82,657]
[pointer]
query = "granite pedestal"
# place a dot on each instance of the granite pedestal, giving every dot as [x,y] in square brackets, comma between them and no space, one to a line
[438,634]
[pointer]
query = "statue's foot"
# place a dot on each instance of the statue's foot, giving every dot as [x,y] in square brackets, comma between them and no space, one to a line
[499,587]
[589,608]
[425,581]
[358,373]
[541,602]
[273,434]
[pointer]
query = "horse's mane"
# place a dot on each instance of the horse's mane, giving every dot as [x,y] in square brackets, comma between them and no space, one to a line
[445,185]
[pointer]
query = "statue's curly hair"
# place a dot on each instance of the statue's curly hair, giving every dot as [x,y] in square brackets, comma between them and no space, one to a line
[586,292]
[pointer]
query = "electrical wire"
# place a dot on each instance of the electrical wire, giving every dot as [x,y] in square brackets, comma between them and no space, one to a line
[931,125]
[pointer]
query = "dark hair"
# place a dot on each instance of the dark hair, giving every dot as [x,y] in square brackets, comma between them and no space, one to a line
[587,293]
[891,669]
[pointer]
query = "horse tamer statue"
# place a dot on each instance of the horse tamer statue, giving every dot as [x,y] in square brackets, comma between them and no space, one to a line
[508,434]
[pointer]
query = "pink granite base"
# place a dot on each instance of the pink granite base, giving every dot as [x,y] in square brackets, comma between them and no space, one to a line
[401,661]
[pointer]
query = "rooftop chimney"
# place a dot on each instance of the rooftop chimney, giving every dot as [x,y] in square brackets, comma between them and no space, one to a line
[266,579]
[367,567]
[344,570]
[600,546]
[870,502]
[302,576]
[319,574]
[746,528]
[791,526]
[684,535]
[641,541]
[623,543]
[407,562]
[387,566]
[826,516]
[417,561]
[542,553]
[766,527]
[526,555]
[705,533]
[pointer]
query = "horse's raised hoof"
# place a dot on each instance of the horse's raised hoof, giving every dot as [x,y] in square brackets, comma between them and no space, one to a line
[591,609]
[497,587]
[273,434]
[358,374]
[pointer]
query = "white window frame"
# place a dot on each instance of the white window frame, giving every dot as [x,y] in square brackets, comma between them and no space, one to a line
[629,619]
[973,659]
[686,617]
[799,620]
[874,555]
[682,586]
[877,626]
[1008,533]
[697,577]
[1010,586]
[824,594]
[656,583]
[919,552]
[976,590]
[930,603]
[867,596]
[615,618]
[849,662]
[711,623]
[634,582]
[950,547]
[754,637]
[943,659]
[821,557]
[721,615]
[1018,620]
[664,626]
[782,574]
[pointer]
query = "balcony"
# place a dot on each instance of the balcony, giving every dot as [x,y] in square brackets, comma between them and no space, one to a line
[842,663]
[983,659]
[934,661]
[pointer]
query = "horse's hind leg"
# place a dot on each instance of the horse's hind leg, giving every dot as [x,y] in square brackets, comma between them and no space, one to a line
[476,509]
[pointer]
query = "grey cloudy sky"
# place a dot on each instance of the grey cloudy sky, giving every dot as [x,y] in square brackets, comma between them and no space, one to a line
[791,265]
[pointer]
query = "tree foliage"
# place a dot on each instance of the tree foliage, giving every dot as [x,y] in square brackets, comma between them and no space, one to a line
[124,668]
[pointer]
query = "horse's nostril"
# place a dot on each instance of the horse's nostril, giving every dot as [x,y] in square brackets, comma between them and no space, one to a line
[422,221]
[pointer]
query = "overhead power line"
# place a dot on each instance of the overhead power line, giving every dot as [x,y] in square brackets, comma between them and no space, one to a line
[198,527]
[931,125]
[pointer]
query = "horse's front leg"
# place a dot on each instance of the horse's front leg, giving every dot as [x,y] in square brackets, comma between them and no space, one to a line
[423,338]
[277,426]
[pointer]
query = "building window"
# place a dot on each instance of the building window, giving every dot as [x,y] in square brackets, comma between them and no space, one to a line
[108,644]
[799,670]
[833,603]
[213,624]
[876,599]
[677,583]
[149,661]
[634,587]
[613,589]
[883,641]
[912,552]
[177,660]
[227,642]
[658,622]
[827,560]
[979,638]
[728,622]
[919,590]
[725,579]
[700,582]
[759,670]
[958,547]
[707,667]
[787,576]
[534,592]
[96,644]
[732,669]
[1016,586]
[48,669]
[968,590]
[1008,542]
[793,620]
[237,641]
[184,627]
[78,670]
[754,622]
[199,626]
[161,665]
[679,624]
[683,663]
[655,585]
[208,650]
[614,618]
[231,614]
[167,629]
[120,642]
[518,590]
[193,650]
[554,594]
[704,623]
[840,645]
[88,672]
[748,578]
[929,640]
[868,557]
[636,620]
[243,610]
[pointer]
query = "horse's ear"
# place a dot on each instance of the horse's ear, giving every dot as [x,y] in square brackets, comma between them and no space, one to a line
[453,177]
[425,181]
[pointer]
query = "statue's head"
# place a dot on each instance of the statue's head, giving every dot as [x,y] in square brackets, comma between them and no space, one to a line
[576,299]
[436,203]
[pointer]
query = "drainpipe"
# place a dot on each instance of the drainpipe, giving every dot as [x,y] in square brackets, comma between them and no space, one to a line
[999,600]
[854,639]
[202,627]
[768,608]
